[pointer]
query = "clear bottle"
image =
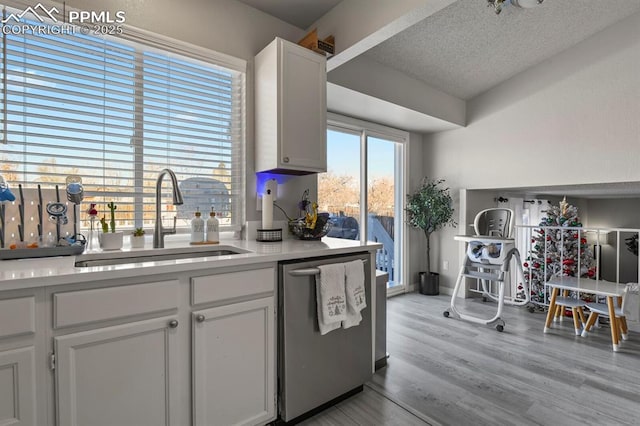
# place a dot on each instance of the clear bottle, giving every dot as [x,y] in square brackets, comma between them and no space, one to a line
[197,228]
[213,228]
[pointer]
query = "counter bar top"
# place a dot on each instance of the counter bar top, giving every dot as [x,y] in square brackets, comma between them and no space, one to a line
[42,272]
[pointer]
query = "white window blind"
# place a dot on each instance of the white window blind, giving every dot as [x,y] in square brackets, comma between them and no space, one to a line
[116,112]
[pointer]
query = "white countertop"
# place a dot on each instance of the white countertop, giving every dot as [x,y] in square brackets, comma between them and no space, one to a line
[27,273]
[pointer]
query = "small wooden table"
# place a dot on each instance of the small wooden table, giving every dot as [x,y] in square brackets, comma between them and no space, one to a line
[584,285]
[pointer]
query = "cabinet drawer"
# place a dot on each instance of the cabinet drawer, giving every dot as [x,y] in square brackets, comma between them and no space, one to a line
[79,307]
[213,288]
[17,316]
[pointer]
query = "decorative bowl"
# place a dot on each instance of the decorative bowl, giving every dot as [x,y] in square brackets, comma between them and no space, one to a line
[298,227]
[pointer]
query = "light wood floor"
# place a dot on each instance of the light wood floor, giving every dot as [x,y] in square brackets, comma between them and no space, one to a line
[444,371]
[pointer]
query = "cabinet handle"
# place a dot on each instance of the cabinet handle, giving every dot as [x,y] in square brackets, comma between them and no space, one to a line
[285,160]
[173,324]
[200,318]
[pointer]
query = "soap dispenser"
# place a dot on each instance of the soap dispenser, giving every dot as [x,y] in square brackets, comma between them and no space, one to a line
[197,228]
[213,228]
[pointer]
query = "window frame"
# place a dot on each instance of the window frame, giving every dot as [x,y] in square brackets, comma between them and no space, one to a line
[367,129]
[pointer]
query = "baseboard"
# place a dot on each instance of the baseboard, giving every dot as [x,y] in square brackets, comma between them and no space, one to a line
[446,291]
[381,363]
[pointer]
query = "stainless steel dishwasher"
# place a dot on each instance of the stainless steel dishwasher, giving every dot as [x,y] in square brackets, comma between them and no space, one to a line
[314,370]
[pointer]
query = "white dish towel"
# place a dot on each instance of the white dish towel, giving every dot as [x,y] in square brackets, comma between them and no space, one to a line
[355,292]
[330,297]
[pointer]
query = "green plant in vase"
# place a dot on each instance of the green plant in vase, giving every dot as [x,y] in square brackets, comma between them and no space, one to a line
[112,223]
[429,209]
[137,238]
[110,240]
[104,224]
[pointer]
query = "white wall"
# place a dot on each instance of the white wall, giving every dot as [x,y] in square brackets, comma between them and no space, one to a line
[416,241]
[225,26]
[571,120]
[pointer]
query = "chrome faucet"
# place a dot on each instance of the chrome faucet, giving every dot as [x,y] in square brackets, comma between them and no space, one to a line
[159,231]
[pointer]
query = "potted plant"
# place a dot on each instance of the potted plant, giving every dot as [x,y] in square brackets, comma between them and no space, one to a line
[110,240]
[430,208]
[137,238]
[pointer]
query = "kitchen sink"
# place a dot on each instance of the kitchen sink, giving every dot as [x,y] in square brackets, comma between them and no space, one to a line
[156,255]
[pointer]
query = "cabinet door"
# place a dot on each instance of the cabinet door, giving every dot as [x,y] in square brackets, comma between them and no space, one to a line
[121,375]
[303,109]
[17,387]
[234,364]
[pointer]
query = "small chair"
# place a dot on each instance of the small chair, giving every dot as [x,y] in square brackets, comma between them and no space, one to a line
[598,309]
[576,305]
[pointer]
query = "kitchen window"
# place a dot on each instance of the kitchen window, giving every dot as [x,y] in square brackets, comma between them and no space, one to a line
[116,111]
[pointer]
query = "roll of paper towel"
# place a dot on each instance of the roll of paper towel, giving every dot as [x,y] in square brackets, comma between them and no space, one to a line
[267,210]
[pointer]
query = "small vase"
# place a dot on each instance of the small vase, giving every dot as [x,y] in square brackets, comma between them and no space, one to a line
[110,240]
[137,241]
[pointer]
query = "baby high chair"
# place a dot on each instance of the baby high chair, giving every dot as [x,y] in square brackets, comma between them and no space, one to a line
[488,256]
[496,222]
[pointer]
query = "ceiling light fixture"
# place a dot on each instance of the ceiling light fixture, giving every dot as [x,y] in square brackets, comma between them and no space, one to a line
[525,4]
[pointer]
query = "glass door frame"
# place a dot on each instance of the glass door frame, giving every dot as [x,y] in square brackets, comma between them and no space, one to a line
[367,129]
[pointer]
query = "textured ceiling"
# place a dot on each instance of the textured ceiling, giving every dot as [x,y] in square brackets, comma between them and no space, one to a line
[465,49]
[300,13]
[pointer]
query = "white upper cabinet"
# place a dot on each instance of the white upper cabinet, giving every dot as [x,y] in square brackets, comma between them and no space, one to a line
[290,109]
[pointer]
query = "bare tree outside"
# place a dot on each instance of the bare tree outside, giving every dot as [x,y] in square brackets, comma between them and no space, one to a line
[381,196]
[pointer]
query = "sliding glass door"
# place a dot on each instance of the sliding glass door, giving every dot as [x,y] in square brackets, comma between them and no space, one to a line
[339,189]
[384,213]
[365,167]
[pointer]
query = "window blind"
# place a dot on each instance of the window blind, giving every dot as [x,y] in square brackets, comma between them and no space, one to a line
[116,112]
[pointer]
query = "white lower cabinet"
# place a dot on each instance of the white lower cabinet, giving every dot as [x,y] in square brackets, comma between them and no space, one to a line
[114,353]
[21,339]
[234,364]
[119,375]
[18,387]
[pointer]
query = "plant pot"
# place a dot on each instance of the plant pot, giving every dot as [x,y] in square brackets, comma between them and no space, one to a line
[137,241]
[110,240]
[429,283]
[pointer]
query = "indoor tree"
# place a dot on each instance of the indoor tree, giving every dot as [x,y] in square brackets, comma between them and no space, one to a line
[430,208]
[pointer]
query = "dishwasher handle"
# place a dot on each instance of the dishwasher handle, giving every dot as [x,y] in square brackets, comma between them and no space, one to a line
[305,272]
